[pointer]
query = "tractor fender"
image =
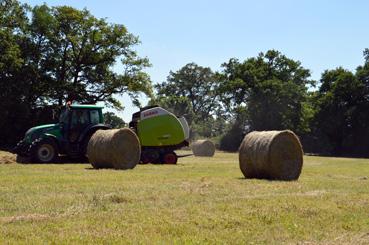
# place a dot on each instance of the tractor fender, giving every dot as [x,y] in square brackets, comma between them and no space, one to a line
[90,130]
[53,137]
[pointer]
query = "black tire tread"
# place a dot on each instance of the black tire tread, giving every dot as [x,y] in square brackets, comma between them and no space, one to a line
[36,143]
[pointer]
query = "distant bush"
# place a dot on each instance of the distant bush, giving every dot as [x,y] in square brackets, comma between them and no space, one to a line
[232,139]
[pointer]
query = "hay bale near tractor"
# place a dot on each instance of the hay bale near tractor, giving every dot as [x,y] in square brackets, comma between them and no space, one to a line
[203,148]
[114,148]
[275,155]
[7,157]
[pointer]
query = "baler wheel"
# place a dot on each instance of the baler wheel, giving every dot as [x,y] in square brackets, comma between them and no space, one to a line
[170,158]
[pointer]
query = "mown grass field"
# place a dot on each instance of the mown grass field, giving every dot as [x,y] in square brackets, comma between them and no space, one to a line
[200,200]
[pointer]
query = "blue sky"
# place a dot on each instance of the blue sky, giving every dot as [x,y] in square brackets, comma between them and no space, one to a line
[321,34]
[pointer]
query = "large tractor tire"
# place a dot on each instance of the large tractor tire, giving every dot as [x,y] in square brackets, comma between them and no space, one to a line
[44,150]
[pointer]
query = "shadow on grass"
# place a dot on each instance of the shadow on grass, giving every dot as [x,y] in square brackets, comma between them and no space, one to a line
[343,155]
[266,179]
[147,164]
[60,160]
[108,168]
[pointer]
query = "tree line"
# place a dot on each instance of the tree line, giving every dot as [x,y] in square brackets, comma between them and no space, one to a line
[273,92]
[49,55]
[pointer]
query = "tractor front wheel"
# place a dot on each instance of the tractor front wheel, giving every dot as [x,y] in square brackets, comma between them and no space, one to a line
[44,151]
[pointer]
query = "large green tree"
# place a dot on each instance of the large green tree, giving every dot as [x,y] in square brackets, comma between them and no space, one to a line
[79,52]
[192,91]
[196,83]
[49,55]
[13,91]
[113,120]
[272,88]
[180,106]
[336,103]
[342,105]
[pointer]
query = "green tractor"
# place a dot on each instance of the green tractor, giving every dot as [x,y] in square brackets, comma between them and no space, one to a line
[159,131]
[69,137]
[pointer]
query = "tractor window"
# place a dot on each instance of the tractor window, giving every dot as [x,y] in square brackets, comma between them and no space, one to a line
[80,117]
[64,117]
[94,117]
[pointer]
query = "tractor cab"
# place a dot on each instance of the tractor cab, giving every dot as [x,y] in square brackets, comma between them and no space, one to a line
[76,119]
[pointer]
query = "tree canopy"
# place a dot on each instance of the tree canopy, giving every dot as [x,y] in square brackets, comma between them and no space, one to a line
[68,54]
[196,83]
[273,92]
[272,88]
[342,105]
[113,120]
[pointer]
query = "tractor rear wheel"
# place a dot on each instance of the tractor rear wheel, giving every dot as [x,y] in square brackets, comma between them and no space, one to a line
[44,150]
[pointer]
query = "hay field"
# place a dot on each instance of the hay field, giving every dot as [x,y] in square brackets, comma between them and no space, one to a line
[200,200]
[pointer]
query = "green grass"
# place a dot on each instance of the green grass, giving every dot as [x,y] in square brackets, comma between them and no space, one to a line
[200,200]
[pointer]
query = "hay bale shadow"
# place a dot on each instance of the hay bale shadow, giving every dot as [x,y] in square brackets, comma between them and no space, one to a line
[63,159]
[264,179]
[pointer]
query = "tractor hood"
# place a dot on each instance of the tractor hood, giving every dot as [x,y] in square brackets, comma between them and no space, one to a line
[36,132]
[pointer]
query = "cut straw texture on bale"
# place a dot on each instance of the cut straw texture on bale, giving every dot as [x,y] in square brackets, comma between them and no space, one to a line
[203,148]
[114,148]
[271,155]
[7,158]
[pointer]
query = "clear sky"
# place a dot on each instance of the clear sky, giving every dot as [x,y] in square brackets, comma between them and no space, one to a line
[321,34]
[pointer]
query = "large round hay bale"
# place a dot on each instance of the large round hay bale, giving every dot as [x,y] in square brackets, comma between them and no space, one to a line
[114,148]
[203,148]
[271,155]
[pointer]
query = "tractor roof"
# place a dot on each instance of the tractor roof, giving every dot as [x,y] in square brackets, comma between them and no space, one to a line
[77,106]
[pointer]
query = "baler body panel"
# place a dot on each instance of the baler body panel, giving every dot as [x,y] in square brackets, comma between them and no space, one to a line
[160,130]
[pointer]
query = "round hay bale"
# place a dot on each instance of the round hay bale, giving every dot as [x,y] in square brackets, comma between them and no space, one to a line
[114,148]
[203,148]
[271,155]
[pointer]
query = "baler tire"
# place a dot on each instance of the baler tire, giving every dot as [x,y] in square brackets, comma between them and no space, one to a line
[170,158]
